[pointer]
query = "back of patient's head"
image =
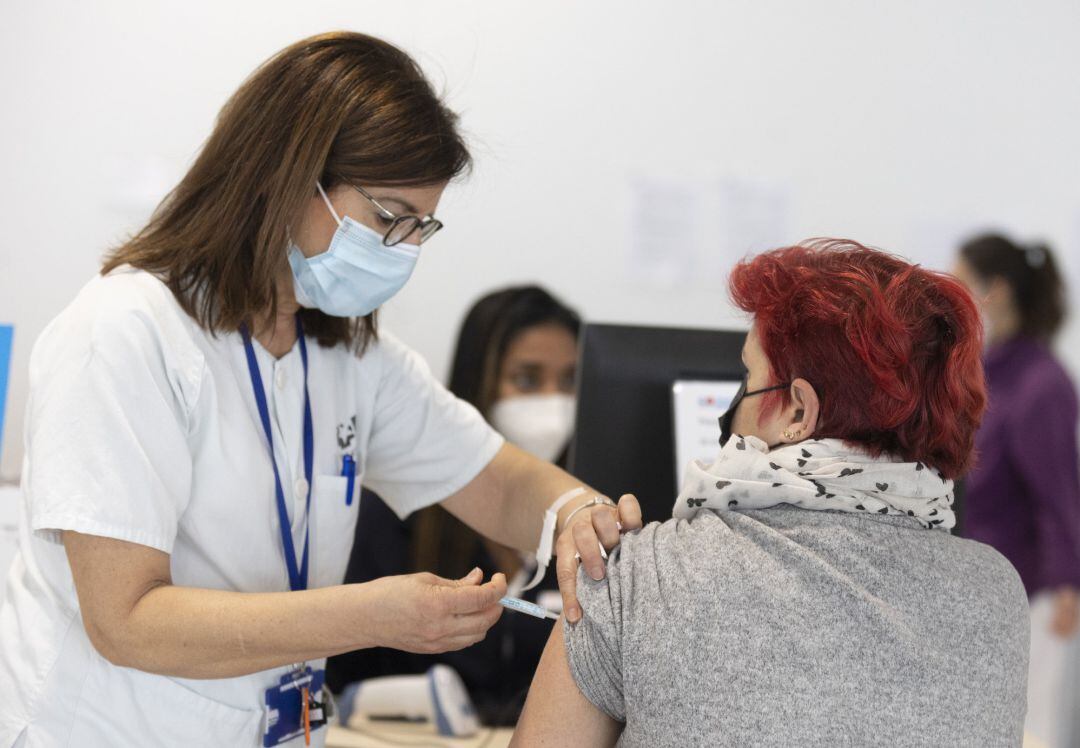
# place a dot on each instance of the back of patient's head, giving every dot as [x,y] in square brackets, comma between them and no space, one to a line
[1031,273]
[892,350]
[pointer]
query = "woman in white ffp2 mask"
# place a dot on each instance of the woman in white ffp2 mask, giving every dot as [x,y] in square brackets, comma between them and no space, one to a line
[534,408]
[539,423]
[514,361]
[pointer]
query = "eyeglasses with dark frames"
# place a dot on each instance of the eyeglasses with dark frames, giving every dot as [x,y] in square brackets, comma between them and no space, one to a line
[401,226]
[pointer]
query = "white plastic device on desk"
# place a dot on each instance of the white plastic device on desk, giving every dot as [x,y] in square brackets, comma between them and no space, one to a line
[438,696]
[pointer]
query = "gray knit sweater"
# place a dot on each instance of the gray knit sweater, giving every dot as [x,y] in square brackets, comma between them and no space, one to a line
[789,627]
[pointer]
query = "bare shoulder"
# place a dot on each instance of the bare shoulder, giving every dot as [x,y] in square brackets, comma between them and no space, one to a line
[556,712]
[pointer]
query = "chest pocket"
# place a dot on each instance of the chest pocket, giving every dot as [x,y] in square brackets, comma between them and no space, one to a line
[334,526]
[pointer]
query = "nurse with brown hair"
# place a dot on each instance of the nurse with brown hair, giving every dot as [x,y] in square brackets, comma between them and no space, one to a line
[203,413]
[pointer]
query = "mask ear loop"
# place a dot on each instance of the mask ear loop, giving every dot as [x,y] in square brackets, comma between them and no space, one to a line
[327,201]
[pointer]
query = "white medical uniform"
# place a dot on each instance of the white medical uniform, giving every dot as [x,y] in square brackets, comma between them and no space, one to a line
[142,426]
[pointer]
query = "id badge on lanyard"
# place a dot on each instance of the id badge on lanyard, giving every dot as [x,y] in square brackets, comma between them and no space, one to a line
[299,703]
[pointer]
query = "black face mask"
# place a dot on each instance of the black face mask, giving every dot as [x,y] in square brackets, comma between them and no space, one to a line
[729,415]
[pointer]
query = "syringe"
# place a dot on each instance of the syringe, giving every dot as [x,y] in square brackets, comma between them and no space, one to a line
[524,606]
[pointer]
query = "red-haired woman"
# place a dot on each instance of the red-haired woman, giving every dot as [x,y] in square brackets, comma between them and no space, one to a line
[808,591]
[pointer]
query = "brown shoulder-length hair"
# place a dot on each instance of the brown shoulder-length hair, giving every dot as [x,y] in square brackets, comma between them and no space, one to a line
[335,107]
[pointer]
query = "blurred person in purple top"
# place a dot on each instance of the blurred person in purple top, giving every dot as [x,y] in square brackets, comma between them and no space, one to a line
[1023,496]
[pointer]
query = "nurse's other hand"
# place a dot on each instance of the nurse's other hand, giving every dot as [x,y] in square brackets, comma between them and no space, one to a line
[582,539]
[428,614]
[1066,612]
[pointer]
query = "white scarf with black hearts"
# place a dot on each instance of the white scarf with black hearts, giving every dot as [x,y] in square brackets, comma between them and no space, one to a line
[819,474]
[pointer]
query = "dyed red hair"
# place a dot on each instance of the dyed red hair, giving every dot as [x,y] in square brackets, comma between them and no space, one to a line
[892,350]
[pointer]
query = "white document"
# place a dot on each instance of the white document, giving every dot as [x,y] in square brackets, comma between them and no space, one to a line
[747,217]
[698,406]
[691,231]
[666,230]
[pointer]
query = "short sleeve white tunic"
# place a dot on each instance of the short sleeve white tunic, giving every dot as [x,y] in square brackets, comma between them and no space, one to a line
[142,426]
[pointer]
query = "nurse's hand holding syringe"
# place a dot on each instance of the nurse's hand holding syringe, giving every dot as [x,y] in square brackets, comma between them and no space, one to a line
[136,617]
[428,614]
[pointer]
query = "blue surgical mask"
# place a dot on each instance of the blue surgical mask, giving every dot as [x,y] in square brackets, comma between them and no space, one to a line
[356,275]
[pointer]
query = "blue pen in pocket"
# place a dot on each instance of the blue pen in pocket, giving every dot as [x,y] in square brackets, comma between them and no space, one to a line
[348,469]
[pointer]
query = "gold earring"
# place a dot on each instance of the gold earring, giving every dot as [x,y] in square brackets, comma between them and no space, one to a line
[792,436]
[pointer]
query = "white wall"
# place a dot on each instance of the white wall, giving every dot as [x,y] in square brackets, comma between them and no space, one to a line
[902,125]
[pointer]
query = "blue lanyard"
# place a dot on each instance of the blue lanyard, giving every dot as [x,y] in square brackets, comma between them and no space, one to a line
[297,576]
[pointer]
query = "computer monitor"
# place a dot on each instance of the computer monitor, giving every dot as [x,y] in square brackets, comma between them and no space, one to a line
[628,381]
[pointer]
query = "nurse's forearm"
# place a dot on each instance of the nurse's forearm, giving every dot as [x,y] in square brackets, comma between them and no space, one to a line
[135,617]
[199,633]
[507,500]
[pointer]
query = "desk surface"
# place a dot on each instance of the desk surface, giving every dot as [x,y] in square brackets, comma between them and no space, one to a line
[395,734]
[385,735]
